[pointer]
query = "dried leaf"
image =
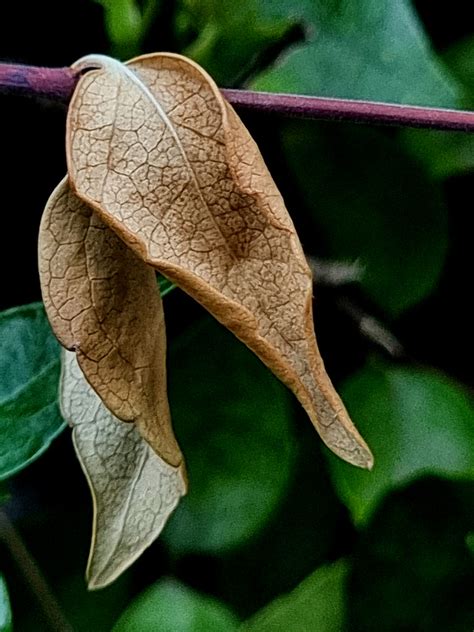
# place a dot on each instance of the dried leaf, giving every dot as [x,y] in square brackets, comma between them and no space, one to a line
[155,149]
[103,303]
[134,491]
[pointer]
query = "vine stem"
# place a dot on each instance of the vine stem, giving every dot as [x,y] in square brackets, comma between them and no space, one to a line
[57,84]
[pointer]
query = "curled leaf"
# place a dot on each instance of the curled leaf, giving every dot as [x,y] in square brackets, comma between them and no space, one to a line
[103,303]
[165,161]
[134,491]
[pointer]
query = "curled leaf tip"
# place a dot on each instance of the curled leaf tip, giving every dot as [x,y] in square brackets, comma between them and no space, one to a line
[134,491]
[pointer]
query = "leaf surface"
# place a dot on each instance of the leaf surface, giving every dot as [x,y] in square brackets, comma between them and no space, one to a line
[372,203]
[29,369]
[5,610]
[470,541]
[230,39]
[127,23]
[359,49]
[165,161]
[134,491]
[169,606]
[446,154]
[318,603]
[235,423]
[103,303]
[419,422]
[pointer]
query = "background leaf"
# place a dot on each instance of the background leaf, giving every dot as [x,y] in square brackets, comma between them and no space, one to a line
[165,285]
[233,420]
[4,493]
[318,603]
[29,370]
[460,60]
[419,423]
[5,612]
[127,22]
[470,542]
[360,49]
[366,49]
[445,154]
[375,205]
[212,26]
[411,569]
[172,607]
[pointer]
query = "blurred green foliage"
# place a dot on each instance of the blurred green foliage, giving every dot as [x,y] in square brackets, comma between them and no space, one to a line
[318,603]
[171,607]
[369,49]
[234,422]
[428,429]
[5,611]
[29,368]
[127,23]
[374,204]
[269,509]
[445,155]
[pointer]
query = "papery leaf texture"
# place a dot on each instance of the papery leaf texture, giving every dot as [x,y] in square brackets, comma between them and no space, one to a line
[103,302]
[164,160]
[134,490]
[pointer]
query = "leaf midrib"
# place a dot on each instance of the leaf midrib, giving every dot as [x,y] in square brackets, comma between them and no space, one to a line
[165,118]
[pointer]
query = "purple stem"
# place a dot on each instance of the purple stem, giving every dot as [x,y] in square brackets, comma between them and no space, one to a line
[57,84]
[351,110]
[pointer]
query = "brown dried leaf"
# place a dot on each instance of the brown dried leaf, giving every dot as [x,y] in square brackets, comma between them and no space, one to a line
[102,302]
[134,491]
[167,163]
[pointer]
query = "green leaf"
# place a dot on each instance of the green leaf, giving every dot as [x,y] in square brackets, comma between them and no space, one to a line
[29,366]
[445,154]
[231,36]
[165,285]
[374,204]
[442,154]
[460,60]
[417,422]
[412,561]
[168,606]
[364,49]
[233,421]
[4,493]
[470,541]
[126,24]
[5,611]
[26,346]
[318,603]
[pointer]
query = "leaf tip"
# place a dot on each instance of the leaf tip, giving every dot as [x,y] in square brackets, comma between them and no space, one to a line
[369,464]
[362,457]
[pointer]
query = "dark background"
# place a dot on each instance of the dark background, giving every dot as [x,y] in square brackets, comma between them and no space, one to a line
[410,569]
